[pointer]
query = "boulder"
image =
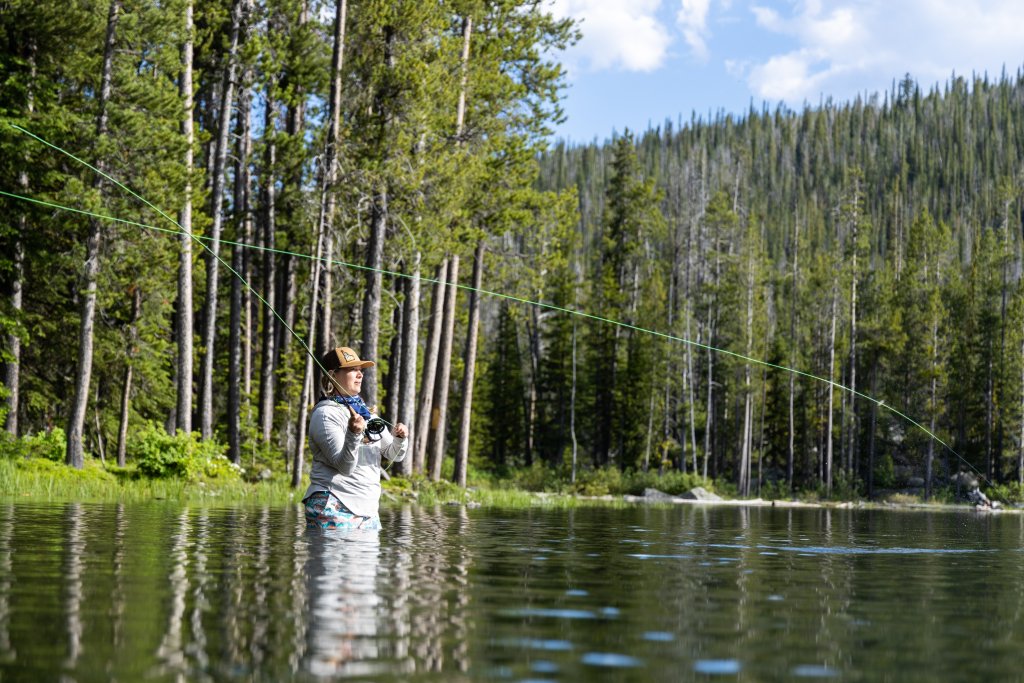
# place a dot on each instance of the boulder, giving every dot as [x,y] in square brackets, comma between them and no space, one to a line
[700,493]
[965,479]
[916,482]
[655,494]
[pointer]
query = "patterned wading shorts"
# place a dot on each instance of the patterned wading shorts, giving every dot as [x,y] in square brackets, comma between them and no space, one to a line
[324,511]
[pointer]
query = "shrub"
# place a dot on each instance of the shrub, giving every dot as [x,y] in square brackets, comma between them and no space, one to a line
[48,446]
[844,486]
[60,473]
[600,482]
[885,472]
[537,477]
[1006,493]
[776,490]
[672,482]
[182,455]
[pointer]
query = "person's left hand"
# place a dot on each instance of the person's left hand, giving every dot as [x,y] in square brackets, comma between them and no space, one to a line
[400,431]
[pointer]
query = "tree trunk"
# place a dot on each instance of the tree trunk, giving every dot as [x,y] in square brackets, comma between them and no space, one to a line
[309,376]
[235,361]
[692,395]
[472,335]
[791,452]
[989,409]
[438,421]
[100,446]
[533,341]
[184,320]
[268,361]
[871,437]
[333,133]
[831,394]
[244,230]
[439,424]
[851,452]
[378,233]
[126,387]
[76,419]
[425,413]
[372,298]
[391,384]
[748,411]
[410,344]
[673,295]
[217,212]
[650,428]
[572,405]
[934,409]
[12,369]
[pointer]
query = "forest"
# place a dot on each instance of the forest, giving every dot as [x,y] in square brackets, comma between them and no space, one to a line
[198,199]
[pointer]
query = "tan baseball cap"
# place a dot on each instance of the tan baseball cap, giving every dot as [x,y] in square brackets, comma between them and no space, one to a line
[345,358]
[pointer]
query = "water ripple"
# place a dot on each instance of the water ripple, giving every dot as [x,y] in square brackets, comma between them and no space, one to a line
[610,659]
[814,671]
[717,667]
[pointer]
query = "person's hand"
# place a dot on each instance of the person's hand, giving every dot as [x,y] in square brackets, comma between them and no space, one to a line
[356,423]
[400,431]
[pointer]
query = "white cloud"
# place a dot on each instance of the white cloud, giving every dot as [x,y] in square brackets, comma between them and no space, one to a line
[617,34]
[842,48]
[692,19]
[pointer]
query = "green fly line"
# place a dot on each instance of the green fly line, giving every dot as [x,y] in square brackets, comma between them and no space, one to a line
[202,241]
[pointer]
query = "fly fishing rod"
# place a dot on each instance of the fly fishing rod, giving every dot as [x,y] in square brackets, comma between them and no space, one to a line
[202,240]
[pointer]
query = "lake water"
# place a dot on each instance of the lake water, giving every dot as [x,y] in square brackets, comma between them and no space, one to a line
[159,591]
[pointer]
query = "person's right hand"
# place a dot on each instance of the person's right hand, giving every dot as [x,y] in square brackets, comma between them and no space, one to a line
[356,423]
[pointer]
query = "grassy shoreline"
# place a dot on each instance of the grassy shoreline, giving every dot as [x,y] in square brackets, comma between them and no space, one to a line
[35,480]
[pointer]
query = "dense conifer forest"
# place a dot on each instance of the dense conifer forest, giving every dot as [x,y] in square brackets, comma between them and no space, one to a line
[369,166]
[874,243]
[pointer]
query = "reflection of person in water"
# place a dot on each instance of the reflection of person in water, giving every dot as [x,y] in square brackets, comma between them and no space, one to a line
[341,575]
[349,443]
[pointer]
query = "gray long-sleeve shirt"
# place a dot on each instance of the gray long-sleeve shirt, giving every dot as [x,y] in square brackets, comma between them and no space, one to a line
[342,464]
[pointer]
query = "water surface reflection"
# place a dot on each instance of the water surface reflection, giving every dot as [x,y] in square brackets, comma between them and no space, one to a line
[163,592]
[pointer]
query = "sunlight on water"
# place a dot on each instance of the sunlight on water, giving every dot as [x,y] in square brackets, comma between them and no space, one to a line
[163,592]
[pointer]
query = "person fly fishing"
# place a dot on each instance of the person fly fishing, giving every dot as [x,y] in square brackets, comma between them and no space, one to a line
[349,443]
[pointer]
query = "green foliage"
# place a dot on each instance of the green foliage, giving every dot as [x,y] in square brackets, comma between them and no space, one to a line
[885,472]
[1010,492]
[845,486]
[537,477]
[602,481]
[161,455]
[44,445]
[59,472]
[38,479]
[775,490]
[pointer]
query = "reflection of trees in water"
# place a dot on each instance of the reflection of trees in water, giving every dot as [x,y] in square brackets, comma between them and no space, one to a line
[7,652]
[200,601]
[437,578]
[74,547]
[118,598]
[294,603]
[170,650]
[180,593]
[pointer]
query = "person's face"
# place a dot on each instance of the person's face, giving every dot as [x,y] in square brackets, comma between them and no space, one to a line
[350,379]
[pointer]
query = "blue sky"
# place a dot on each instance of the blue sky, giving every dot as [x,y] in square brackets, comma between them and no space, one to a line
[641,62]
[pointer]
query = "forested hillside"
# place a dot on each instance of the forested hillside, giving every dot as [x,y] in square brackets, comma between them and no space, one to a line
[875,243]
[313,173]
